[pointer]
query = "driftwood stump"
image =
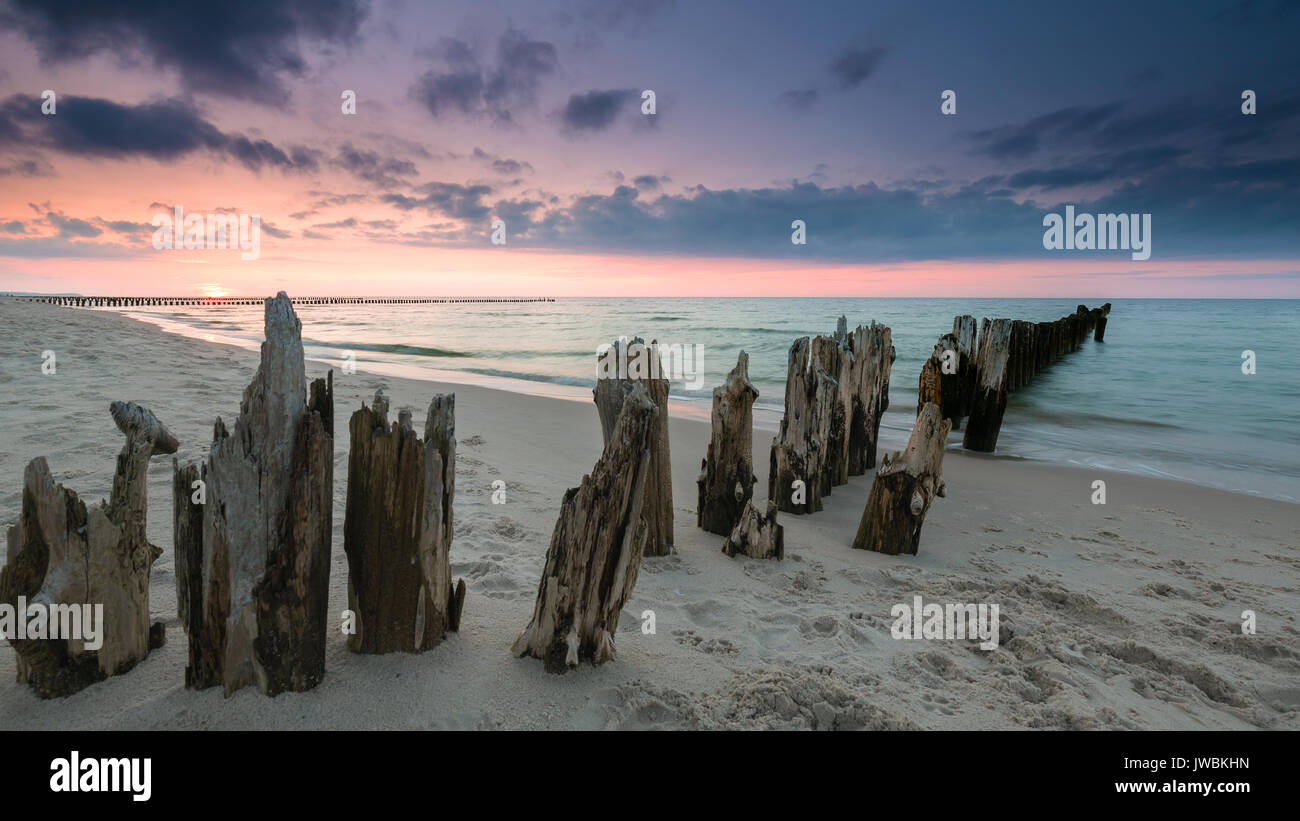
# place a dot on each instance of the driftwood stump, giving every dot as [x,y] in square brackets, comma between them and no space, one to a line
[798,458]
[756,535]
[905,485]
[990,388]
[727,479]
[253,565]
[595,552]
[873,360]
[618,367]
[397,530]
[85,570]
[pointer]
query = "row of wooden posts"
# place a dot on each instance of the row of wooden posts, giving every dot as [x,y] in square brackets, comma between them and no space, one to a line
[219,301]
[970,380]
[253,522]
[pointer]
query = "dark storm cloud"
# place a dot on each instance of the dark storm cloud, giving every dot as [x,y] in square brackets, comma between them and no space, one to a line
[649,182]
[234,49]
[447,199]
[1019,141]
[27,167]
[502,165]
[1183,124]
[595,110]
[855,64]
[159,130]
[799,99]
[468,87]
[615,13]
[372,167]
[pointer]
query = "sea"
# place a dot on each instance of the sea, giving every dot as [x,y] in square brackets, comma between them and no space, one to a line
[1166,395]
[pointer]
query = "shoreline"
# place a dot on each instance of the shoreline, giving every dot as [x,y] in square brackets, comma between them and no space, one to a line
[1125,615]
[895,426]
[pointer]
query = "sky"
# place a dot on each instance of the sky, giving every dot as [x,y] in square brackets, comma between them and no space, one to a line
[534,113]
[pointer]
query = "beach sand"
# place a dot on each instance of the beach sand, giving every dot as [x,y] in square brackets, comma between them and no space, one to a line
[1125,615]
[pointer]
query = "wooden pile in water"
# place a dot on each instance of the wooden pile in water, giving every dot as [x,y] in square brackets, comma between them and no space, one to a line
[965,379]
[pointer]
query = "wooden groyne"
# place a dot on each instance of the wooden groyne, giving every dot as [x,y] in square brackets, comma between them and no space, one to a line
[1009,353]
[219,302]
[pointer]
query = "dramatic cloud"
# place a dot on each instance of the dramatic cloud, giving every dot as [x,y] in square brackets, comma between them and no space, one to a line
[466,87]
[799,99]
[160,130]
[373,168]
[502,165]
[233,49]
[447,199]
[855,64]
[595,110]
[27,167]
[649,182]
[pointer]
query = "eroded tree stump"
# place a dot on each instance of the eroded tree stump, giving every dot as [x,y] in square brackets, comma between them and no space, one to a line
[595,552]
[618,367]
[62,554]
[253,567]
[873,361]
[727,478]
[397,530]
[798,457]
[990,387]
[905,485]
[756,535]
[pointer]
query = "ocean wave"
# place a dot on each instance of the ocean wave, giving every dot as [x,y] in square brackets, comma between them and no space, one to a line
[412,350]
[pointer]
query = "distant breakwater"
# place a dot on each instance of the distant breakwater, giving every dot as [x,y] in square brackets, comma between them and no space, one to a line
[148,301]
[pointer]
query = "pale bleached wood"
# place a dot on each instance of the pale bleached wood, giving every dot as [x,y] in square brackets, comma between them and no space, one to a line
[595,552]
[63,553]
[963,330]
[397,528]
[756,535]
[726,481]
[905,485]
[256,573]
[644,366]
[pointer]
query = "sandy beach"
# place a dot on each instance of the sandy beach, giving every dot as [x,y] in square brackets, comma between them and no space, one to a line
[1121,616]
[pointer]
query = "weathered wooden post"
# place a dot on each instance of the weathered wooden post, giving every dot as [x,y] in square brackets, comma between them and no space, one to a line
[798,456]
[252,568]
[727,478]
[990,388]
[596,549]
[618,366]
[873,360]
[906,484]
[64,557]
[397,529]
[756,535]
